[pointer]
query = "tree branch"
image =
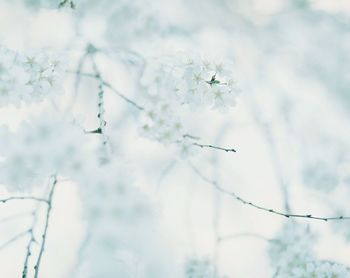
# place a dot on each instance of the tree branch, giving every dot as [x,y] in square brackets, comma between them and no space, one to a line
[214,147]
[266,209]
[23,198]
[109,86]
[29,245]
[48,212]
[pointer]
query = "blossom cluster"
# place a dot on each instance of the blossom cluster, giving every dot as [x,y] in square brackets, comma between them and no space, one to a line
[38,150]
[193,81]
[161,123]
[291,252]
[204,82]
[174,85]
[27,78]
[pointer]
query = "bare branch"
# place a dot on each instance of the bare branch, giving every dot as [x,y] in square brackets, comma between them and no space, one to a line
[214,147]
[270,210]
[164,172]
[123,96]
[97,76]
[23,198]
[44,235]
[109,86]
[77,80]
[29,245]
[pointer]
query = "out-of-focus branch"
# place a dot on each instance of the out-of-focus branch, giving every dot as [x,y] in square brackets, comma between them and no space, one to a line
[29,245]
[110,87]
[77,79]
[165,171]
[266,209]
[23,198]
[44,235]
[13,239]
[282,181]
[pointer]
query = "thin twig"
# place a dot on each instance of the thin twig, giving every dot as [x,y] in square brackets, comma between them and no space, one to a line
[166,171]
[109,86]
[101,110]
[44,235]
[123,96]
[272,211]
[100,104]
[140,108]
[80,66]
[30,243]
[23,198]
[214,147]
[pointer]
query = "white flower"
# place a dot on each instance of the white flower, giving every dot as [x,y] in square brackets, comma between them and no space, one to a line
[208,83]
[192,81]
[176,83]
[27,78]
[291,252]
[161,123]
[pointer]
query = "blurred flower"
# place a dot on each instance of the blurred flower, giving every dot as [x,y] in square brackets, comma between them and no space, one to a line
[291,252]
[43,147]
[27,78]
[161,123]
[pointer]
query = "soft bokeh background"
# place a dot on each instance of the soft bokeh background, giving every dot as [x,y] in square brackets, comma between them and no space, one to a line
[290,126]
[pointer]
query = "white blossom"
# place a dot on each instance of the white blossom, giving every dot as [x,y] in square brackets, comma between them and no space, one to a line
[291,252]
[160,122]
[27,77]
[193,81]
